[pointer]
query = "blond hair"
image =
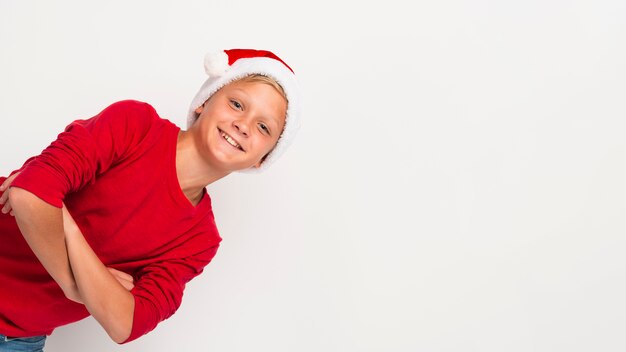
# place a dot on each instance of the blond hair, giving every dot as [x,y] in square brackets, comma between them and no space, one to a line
[256,77]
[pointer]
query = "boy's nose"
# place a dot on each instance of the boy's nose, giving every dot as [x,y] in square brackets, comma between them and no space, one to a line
[241,126]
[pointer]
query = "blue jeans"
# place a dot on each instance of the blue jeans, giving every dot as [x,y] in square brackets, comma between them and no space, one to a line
[22,344]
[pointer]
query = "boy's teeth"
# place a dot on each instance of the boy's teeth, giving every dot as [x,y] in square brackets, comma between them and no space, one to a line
[230,140]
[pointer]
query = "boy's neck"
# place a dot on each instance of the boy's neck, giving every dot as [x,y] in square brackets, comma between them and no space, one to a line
[193,173]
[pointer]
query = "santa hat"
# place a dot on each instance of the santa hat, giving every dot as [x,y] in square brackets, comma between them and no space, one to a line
[230,65]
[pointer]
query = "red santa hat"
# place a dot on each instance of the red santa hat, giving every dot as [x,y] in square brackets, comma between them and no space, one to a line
[230,65]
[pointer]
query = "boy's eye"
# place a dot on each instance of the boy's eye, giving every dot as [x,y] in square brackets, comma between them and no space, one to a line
[264,128]
[236,104]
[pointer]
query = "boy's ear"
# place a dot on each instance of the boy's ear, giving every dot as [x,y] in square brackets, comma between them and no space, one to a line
[199,109]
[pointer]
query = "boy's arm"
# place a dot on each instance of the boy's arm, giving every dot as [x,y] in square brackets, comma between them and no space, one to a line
[60,246]
[124,310]
[41,225]
[86,149]
[108,301]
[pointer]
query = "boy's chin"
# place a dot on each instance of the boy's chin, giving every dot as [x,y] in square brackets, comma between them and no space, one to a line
[237,168]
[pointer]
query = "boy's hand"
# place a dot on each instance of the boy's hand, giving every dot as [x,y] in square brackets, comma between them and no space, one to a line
[4,199]
[125,279]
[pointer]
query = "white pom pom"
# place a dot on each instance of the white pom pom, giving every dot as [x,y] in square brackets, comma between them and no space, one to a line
[215,64]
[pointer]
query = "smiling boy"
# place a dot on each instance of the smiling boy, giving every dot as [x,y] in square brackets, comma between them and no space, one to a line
[113,218]
[235,130]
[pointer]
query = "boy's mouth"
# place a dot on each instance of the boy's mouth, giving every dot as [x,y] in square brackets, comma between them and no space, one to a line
[230,140]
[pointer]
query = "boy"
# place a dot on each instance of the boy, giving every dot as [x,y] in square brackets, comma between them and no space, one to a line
[134,185]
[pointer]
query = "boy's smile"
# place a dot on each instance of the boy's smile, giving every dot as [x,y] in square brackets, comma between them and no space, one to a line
[230,140]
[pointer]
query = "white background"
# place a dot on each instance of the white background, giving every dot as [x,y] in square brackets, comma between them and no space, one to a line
[458,184]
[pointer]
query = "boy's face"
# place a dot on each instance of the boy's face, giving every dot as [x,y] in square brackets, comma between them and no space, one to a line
[239,125]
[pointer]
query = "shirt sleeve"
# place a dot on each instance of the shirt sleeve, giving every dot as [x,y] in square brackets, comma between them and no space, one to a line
[159,287]
[84,150]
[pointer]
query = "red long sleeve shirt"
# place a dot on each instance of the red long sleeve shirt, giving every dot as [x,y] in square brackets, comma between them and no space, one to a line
[116,173]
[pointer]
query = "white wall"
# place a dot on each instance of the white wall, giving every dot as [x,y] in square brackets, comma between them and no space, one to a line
[458,184]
